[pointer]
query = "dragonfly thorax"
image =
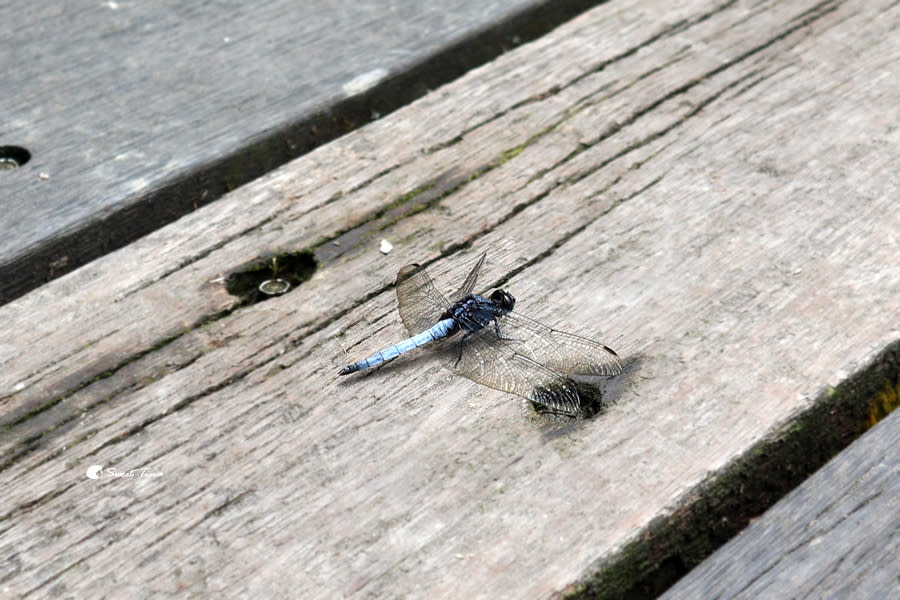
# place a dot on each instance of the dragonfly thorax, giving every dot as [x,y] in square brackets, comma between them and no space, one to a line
[475,312]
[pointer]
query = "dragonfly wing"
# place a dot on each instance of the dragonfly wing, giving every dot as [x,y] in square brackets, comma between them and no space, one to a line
[566,353]
[487,360]
[469,284]
[420,303]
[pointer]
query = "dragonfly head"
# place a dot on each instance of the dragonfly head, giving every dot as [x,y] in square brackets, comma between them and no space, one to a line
[503,299]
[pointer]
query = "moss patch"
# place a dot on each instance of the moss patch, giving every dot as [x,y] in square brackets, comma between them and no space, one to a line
[724,504]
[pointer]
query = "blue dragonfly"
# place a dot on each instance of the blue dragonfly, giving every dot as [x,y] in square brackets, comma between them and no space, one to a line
[481,338]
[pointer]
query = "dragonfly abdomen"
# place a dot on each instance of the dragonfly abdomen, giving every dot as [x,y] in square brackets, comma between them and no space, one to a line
[442,329]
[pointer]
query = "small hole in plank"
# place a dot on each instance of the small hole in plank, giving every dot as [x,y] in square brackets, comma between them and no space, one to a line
[270,275]
[13,157]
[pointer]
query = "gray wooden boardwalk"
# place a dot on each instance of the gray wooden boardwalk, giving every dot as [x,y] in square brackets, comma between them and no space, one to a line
[135,113]
[836,536]
[708,187]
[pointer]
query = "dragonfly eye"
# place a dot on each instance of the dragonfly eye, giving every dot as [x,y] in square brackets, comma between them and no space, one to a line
[503,299]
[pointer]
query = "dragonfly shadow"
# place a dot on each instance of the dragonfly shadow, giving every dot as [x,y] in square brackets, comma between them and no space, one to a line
[597,396]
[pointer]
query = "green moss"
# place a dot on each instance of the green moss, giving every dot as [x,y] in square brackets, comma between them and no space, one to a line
[510,154]
[410,195]
[720,507]
[884,402]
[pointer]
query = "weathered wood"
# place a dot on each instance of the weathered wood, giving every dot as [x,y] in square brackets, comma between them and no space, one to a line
[836,536]
[135,113]
[708,188]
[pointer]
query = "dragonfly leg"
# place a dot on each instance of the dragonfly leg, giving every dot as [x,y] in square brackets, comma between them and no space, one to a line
[462,343]
[500,335]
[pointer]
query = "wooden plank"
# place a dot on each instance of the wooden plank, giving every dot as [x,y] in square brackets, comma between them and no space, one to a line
[655,175]
[836,536]
[135,113]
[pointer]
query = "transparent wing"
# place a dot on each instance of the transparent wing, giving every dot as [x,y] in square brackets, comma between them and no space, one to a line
[469,284]
[529,358]
[495,363]
[419,302]
[565,353]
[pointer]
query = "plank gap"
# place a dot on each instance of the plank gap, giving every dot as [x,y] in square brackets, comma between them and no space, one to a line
[204,182]
[724,504]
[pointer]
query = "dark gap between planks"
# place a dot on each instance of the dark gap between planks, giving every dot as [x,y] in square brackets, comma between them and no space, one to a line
[719,508]
[209,181]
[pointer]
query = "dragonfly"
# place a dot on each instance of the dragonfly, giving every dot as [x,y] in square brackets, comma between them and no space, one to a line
[483,339]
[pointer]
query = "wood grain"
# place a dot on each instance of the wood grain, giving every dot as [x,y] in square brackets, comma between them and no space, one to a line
[836,536]
[136,113]
[708,188]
